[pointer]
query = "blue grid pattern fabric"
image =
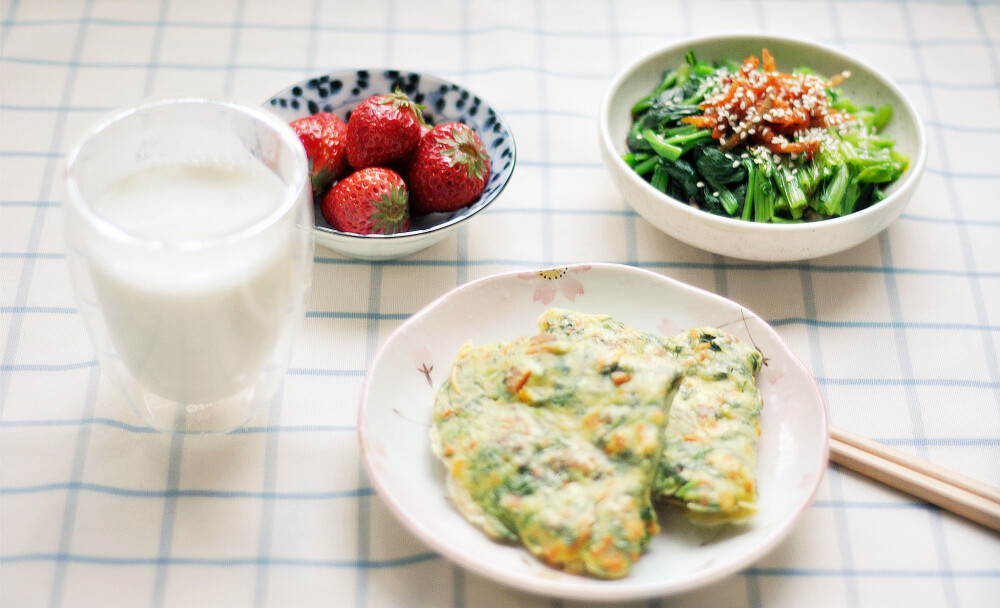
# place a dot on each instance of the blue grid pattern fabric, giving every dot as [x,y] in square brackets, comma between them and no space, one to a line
[902,332]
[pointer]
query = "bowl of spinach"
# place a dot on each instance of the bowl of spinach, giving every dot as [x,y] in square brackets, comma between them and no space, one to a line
[765,148]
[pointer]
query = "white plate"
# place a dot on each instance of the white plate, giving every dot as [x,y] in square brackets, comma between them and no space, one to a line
[395,417]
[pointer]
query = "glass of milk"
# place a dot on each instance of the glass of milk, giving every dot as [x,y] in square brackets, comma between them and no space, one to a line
[189,240]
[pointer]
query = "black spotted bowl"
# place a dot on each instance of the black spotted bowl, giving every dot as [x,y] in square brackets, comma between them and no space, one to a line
[341,92]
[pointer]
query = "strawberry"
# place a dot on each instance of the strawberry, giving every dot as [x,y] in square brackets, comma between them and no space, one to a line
[324,136]
[372,200]
[383,129]
[449,169]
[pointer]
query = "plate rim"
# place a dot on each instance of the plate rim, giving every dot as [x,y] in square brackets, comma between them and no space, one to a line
[590,588]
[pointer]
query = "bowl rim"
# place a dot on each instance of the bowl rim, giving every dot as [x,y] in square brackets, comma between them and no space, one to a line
[456,219]
[908,181]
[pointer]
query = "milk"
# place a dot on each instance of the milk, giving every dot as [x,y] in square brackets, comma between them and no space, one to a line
[196,323]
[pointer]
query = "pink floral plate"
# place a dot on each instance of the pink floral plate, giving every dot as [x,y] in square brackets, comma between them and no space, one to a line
[395,417]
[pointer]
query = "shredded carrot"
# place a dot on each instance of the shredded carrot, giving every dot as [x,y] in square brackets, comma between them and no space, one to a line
[620,377]
[516,378]
[553,552]
[614,563]
[538,344]
[616,443]
[768,107]
[602,545]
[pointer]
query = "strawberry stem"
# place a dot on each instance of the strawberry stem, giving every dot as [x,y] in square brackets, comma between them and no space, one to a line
[399,100]
[462,147]
[392,211]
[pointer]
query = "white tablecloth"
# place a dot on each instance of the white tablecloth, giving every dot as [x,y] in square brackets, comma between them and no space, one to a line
[901,332]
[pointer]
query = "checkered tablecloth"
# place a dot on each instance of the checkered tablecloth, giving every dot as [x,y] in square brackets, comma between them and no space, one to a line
[902,332]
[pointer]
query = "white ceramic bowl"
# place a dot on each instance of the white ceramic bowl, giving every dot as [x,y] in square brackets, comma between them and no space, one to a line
[340,92]
[750,240]
[395,417]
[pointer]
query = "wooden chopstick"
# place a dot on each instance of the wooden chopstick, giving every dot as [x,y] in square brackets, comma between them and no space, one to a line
[964,496]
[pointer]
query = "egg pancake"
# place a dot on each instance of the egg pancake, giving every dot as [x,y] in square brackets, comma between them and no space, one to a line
[708,463]
[553,443]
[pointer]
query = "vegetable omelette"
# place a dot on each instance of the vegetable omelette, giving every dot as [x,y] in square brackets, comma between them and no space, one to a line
[561,440]
[710,441]
[553,442]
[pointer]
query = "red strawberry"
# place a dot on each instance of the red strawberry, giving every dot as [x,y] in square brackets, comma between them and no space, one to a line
[370,201]
[449,169]
[383,129]
[324,136]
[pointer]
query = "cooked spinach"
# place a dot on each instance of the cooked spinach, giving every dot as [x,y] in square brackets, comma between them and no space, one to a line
[686,161]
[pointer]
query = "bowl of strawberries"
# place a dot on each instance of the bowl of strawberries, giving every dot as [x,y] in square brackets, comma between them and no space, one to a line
[398,160]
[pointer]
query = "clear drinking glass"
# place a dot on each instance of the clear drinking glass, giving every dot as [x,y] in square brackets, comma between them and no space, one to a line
[189,241]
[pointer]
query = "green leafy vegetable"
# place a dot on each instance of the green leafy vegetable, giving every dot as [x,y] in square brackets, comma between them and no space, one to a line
[847,171]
